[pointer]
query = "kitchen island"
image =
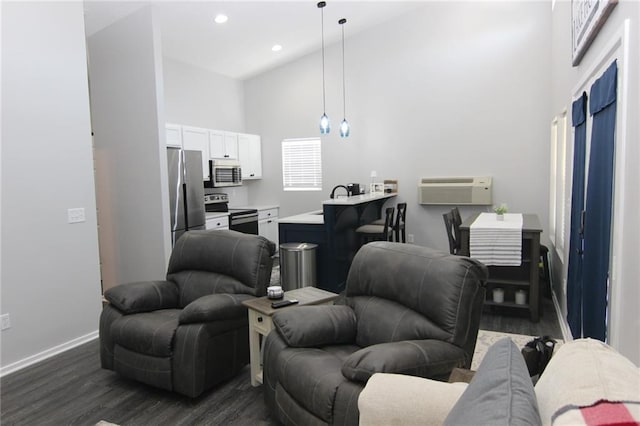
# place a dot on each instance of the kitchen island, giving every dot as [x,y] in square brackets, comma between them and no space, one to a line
[333,230]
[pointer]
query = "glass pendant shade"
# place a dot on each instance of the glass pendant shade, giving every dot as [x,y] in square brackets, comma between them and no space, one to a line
[325,126]
[344,128]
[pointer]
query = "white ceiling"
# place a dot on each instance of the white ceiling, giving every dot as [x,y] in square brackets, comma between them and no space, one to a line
[241,48]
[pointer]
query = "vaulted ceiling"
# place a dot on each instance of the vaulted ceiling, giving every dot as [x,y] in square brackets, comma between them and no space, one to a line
[242,47]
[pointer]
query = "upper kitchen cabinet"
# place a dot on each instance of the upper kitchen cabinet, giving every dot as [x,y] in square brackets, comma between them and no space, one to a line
[223,144]
[197,139]
[250,156]
[174,135]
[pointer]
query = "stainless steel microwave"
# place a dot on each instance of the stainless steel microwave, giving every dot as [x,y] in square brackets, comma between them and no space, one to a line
[224,173]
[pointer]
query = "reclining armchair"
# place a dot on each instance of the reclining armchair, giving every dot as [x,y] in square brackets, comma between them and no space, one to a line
[407,310]
[190,332]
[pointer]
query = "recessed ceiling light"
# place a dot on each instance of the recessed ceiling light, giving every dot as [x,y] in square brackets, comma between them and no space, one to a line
[276,48]
[221,19]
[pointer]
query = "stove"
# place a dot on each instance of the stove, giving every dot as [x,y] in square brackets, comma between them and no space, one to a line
[241,220]
[216,202]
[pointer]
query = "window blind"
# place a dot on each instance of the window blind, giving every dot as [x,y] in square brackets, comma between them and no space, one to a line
[301,165]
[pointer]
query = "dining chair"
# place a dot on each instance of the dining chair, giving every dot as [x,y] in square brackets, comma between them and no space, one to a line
[457,221]
[454,245]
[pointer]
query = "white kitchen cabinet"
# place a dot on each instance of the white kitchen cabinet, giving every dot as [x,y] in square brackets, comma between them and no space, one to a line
[174,135]
[221,222]
[268,224]
[223,144]
[250,156]
[197,139]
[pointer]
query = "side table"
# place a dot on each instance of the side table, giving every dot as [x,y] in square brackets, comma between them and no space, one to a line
[260,322]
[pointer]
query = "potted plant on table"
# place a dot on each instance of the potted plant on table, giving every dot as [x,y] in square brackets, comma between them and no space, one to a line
[500,211]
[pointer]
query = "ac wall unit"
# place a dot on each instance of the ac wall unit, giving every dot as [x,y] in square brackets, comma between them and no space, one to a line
[455,190]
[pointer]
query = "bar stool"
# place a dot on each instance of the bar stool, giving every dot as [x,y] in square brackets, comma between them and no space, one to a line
[371,232]
[399,228]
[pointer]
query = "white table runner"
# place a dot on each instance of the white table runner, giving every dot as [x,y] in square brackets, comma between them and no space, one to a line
[496,242]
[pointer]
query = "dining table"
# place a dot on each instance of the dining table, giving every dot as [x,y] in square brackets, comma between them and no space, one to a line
[510,279]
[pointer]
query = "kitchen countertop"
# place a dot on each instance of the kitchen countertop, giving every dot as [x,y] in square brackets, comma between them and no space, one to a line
[257,207]
[315,217]
[359,199]
[215,215]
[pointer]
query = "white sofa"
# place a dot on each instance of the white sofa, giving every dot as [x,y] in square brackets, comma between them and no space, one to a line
[580,374]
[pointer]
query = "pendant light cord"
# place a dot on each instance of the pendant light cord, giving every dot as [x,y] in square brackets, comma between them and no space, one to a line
[324,105]
[344,103]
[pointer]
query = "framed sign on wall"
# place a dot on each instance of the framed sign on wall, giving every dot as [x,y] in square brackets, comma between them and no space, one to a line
[587,17]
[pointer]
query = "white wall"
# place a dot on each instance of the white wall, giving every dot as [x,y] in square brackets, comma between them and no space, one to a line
[50,269]
[454,88]
[624,321]
[197,97]
[202,98]
[125,67]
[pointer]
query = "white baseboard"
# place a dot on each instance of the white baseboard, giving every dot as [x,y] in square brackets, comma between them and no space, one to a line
[19,365]
[564,325]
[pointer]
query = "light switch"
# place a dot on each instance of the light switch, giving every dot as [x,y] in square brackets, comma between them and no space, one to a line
[75,215]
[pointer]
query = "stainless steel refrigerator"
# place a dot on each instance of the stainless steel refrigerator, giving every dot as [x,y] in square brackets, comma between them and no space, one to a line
[186,191]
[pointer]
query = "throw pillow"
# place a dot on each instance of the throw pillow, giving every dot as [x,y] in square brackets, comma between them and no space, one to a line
[315,326]
[501,392]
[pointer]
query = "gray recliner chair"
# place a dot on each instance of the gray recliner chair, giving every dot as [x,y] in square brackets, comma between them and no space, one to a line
[190,332]
[407,310]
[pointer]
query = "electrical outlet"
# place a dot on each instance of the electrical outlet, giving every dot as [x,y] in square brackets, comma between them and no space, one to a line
[6,321]
[410,238]
[75,215]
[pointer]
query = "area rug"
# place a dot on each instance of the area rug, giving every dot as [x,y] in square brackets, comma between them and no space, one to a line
[487,338]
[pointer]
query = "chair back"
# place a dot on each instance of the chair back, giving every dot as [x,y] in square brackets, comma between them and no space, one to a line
[401,220]
[220,261]
[454,244]
[388,224]
[407,292]
[457,221]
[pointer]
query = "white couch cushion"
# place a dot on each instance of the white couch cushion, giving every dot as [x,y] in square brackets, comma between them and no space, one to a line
[396,399]
[583,372]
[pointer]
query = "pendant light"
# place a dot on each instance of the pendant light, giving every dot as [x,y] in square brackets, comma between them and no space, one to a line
[325,126]
[344,126]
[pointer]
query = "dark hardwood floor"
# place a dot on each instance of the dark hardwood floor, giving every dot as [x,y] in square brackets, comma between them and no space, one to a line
[516,321]
[72,389]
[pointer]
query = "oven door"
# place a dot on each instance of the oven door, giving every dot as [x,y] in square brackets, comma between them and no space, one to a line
[245,221]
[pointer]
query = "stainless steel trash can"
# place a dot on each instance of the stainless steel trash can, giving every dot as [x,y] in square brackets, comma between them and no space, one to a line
[297,265]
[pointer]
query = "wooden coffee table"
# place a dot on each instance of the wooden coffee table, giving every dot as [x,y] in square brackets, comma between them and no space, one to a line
[260,323]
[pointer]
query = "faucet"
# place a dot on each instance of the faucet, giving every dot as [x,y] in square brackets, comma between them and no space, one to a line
[336,187]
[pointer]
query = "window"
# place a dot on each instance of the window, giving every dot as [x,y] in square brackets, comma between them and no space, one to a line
[553,180]
[301,165]
[558,197]
[564,202]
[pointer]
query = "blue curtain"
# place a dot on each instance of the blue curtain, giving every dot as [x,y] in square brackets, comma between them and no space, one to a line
[574,276]
[597,221]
